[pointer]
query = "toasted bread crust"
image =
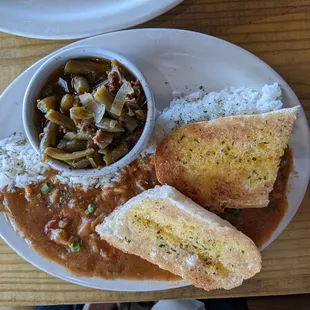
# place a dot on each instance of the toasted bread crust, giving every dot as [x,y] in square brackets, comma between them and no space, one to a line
[237,254]
[228,162]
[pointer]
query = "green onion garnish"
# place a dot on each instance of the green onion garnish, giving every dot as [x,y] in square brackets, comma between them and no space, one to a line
[90,209]
[233,211]
[75,246]
[45,188]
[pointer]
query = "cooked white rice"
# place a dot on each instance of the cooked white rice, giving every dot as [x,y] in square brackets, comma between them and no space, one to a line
[20,164]
[90,182]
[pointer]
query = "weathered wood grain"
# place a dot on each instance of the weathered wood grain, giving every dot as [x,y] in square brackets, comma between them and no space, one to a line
[278,31]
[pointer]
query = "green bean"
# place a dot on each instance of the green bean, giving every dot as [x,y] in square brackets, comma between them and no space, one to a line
[107,137]
[75,66]
[117,153]
[130,123]
[104,150]
[80,164]
[76,136]
[80,113]
[49,138]
[130,111]
[66,103]
[141,114]
[62,144]
[92,162]
[80,85]
[47,103]
[103,95]
[60,119]
[62,155]
[102,145]
[76,145]
[97,158]
[72,146]
[110,125]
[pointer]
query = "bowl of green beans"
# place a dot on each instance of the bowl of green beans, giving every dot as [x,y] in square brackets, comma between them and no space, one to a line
[88,111]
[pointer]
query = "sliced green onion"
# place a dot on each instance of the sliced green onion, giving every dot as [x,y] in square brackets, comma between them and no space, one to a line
[75,246]
[90,209]
[45,188]
[110,125]
[233,211]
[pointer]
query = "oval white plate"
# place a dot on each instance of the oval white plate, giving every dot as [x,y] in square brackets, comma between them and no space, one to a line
[170,60]
[72,19]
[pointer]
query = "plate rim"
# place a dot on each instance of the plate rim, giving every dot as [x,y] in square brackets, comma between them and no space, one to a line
[145,17]
[170,284]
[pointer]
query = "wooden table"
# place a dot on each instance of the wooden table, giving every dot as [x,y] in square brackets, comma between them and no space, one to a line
[278,31]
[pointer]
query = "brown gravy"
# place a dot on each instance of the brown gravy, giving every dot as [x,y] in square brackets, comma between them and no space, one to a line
[96,257]
[259,224]
[37,218]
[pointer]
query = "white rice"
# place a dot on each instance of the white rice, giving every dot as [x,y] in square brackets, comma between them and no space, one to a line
[90,182]
[20,164]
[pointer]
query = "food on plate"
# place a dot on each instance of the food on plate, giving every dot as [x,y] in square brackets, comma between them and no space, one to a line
[57,213]
[205,106]
[168,229]
[91,113]
[228,162]
[59,220]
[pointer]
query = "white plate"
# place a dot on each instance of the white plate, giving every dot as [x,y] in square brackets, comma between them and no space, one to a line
[170,60]
[72,19]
